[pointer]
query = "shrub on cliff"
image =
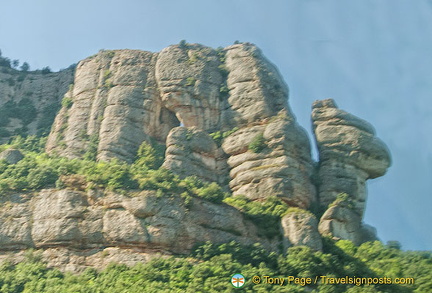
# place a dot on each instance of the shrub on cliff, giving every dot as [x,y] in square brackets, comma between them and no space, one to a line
[258,143]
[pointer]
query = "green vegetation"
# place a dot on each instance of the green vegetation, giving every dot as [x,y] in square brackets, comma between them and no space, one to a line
[4,61]
[183,44]
[67,102]
[46,70]
[219,136]
[93,142]
[194,56]
[107,82]
[25,67]
[39,170]
[149,155]
[224,92]
[258,144]
[343,198]
[266,215]
[210,267]
[4,132]
[23,110]
[223,88]
[190,81]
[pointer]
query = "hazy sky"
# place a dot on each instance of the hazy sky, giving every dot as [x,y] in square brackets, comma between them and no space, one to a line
[373,57]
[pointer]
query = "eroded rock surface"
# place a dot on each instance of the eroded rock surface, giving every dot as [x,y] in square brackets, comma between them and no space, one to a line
[121,98]
[223,116]
[282,168]
[92,221]
[349,154]
[301,228]
[192,152]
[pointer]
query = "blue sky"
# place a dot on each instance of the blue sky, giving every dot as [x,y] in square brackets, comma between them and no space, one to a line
[373,57]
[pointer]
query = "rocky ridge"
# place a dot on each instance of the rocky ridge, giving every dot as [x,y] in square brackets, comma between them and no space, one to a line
[223,116]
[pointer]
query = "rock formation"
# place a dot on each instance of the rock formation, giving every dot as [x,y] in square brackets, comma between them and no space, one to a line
[192,152]
[11,156]
[121,98]
[91,221]
[223,116]
[349,154]
[299,227]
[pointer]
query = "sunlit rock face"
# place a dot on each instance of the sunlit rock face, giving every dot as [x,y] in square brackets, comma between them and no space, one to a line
[223,116]
[121,98]
[349,154]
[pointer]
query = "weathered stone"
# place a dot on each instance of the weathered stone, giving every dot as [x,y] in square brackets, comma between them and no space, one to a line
[300,227]
[193,152]
[56,215]
[12,156]
[182,97]
[342,222]
[75,222]
[344,137]
[349,153]
[283,168]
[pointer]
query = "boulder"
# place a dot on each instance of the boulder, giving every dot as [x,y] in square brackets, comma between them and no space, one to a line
[12,156]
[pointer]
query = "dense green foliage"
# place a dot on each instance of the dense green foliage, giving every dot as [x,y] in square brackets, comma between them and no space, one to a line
[266,215]
[258,144]
[210,267]
[219,136]
[39,170]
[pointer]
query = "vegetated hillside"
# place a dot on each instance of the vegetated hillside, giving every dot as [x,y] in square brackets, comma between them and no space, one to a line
[207,267]
[191,152]
[210,268]
[29,100]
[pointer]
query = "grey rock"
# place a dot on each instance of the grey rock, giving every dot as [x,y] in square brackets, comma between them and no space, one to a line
[12,156]
[72,227]
[191,151]
[300,227]
[342,222]
[283,168]
[349,154]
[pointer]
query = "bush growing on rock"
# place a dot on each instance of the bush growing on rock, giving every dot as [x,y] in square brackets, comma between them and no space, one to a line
[258,144]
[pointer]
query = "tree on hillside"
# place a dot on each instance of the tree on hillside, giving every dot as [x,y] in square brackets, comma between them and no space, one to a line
[46,70]
[25,67]
[15,63]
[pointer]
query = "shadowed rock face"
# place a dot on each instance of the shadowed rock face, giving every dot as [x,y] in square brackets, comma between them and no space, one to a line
[300,228]
[30,100]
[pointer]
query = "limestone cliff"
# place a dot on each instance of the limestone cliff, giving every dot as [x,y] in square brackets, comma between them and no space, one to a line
[223,116]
